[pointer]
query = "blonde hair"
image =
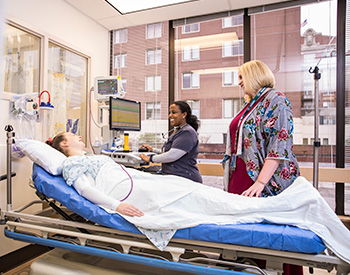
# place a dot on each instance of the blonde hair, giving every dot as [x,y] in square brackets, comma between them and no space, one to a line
[255,75]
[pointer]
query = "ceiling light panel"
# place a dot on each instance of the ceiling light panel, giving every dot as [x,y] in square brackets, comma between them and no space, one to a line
[124,7]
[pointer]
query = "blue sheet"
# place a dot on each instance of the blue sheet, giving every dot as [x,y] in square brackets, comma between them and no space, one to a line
[269,236]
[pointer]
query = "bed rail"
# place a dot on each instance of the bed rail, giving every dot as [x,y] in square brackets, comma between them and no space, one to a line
[42,230]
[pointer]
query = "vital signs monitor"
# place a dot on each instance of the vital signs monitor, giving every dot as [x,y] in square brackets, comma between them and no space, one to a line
[107,86]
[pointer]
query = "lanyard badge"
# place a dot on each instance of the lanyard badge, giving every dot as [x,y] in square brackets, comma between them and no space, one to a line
[246,112]
[233,163]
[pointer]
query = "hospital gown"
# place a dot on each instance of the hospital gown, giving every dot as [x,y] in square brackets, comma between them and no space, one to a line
[170,202]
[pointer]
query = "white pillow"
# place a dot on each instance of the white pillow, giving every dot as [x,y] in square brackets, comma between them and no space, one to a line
[42,154]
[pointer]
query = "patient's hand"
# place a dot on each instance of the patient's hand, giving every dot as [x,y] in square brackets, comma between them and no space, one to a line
[129,210]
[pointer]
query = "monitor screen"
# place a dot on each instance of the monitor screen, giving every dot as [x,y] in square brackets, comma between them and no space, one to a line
[124,114]
[106,86]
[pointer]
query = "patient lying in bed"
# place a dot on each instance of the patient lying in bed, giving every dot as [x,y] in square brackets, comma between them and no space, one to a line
[169,202]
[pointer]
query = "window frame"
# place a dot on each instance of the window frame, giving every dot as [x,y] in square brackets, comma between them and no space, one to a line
[234,77]
[191,51]
[123,57]
[191,80]
[191,28]
[156,111]
[156,83]
[191,102]
[235,106]
[120,32]
[155,51]
[154,31]
[224,26]
[231,48]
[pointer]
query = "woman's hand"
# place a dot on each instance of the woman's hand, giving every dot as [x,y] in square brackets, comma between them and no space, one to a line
[265,175]
[129,210]
[145,157]
[254,190]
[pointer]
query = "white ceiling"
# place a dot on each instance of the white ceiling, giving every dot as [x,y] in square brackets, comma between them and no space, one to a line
[107,16]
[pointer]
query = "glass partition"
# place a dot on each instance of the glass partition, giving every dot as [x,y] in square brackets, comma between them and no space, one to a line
[207,56]
[21,61]
[67,84]
[141,59]
[292,42]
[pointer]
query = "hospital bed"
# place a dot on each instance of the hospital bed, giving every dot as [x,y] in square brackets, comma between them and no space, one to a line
[109,235]
[204,249]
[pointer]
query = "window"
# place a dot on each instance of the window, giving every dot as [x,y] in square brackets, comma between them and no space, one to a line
[121,36]
[347,119]
[329,104]
[124,84]
[152,110]
[154,30]
[120,60]
[67,83]
[232,21]
[190,53]
[229,78]
[146,77]
[325,141]
[153,83]
[231,107]
[305,141]
[327,120]
[194,104]
[232,48]
[202,80]
[190,80]
[190,28]
[21,61]
[153,56]
[308,105]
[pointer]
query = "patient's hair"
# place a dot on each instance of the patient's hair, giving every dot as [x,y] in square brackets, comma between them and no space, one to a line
[256,74]
[56,142]
[190,119]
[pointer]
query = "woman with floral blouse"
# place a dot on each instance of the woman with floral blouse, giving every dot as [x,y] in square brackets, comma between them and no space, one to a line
[259,160]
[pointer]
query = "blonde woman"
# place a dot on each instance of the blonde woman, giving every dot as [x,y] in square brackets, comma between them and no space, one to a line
[259,160]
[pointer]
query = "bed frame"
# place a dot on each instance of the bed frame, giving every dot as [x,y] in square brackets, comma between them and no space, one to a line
[182,253]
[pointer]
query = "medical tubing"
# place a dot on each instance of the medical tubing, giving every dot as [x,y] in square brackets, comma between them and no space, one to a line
[42,94]
[90,116]
[132,183]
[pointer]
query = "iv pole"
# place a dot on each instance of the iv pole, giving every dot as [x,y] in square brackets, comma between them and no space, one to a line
[317,143]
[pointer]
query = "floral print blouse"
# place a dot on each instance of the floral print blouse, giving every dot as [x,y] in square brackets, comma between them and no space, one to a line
[268,134]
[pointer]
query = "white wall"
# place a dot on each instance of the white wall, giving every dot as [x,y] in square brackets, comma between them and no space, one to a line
[57,20]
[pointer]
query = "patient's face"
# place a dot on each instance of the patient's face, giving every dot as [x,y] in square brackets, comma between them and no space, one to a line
[75,142]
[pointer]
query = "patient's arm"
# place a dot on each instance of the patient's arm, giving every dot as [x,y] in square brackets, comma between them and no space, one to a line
[94,195]
[97,197]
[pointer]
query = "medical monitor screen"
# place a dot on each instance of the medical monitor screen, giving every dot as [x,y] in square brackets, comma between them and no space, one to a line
[124,114]
[107,87]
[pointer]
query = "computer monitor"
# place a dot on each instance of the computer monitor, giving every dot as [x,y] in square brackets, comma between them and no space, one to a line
[124,114]
[107,86]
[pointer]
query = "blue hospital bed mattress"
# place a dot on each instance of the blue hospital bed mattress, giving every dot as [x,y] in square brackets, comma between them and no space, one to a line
[269,236]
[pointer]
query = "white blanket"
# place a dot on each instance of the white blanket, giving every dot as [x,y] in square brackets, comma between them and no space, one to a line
[171,202]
